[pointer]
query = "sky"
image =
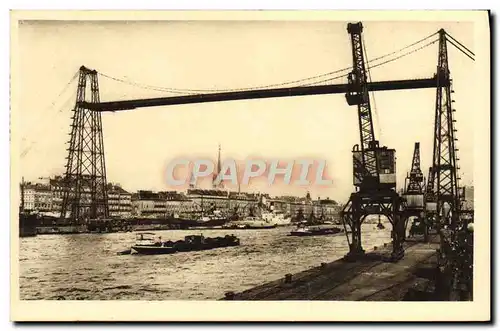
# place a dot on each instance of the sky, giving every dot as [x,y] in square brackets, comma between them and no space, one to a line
[229,55]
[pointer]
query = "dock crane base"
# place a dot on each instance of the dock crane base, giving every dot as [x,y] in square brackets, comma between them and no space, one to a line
[380,202]
[416,212]
[415,197]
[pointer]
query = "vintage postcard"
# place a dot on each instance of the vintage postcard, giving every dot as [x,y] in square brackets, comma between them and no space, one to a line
[250,166]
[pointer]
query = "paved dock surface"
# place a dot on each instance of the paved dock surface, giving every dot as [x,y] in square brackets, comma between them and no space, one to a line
[370,279]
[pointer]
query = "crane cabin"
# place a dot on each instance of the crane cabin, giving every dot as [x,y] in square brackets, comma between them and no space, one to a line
[385,176]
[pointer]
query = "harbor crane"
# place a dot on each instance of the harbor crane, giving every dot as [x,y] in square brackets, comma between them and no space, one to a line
[373,165]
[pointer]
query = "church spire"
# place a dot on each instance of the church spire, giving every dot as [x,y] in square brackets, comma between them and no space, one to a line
[218,161]
[217,172]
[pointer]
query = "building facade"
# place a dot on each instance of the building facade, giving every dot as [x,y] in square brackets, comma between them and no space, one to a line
[119,202]
[149,204]
[297,207]
[47,197]
[37,197]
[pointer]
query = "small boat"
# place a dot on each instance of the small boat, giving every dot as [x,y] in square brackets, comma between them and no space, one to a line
[148,243]
[316,230]
[147,239]
[250,222]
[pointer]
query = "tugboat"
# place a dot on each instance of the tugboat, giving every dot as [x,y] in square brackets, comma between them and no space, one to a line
[144,239]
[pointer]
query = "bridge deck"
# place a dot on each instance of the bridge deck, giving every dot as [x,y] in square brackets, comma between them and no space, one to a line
[371,279]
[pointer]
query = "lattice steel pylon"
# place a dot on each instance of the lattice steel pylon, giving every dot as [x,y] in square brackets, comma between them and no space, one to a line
[415,177]
[85,188]
[444,183]
[444,180]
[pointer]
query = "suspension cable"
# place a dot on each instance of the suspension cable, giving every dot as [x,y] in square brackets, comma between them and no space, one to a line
[196,91]
[145,86]
[461,50]
[48,108]
[65,88]
[53,103]
[468,50]
[379,64]
[38,129]
[402,49]
[326,80]
[404,55]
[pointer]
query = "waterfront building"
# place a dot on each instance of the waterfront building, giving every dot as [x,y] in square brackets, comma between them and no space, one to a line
[119,201]
[46,197]
[243,203]
[305,206]
[149,204]
[209,199]
[37,197]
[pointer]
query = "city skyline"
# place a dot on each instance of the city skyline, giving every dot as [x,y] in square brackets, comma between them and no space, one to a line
[45,182]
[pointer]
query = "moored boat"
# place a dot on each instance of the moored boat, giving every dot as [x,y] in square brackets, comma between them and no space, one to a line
[250,222]
[277,218]
[216,218]
[28,224]
[316,230]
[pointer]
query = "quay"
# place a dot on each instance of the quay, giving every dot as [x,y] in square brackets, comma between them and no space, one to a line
[413,278]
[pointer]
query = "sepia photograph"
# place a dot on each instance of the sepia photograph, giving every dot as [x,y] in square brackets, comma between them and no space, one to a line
[204,162]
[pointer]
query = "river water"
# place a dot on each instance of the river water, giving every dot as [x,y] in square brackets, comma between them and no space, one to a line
[86,266]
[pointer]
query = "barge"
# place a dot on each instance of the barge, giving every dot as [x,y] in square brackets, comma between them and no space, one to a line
[148,244]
